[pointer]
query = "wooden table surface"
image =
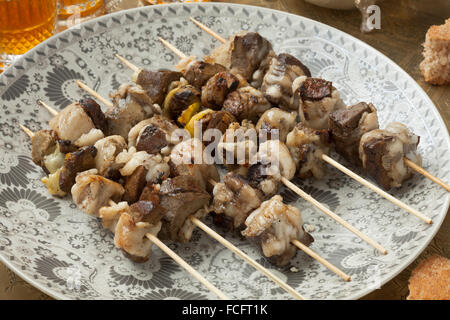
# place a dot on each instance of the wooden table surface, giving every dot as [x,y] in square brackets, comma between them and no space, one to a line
[403,28]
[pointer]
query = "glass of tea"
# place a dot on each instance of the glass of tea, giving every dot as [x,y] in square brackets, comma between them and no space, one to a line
[172,1]
[23,25]
[83,8]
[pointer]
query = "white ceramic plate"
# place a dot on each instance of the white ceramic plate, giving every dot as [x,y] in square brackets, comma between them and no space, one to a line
[65,253]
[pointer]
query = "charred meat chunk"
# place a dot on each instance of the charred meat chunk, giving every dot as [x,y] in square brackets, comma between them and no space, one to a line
[151,140]
[197,73]
[348,125]
[96,114]
[125,113]
[181,197]
[217,89]
[314,89]
[43,143]
[242,53]
[316,100]
[66,146]
[147,211]
[219,120]
[75,162]
[382,153]
[156,83]
[277,83]
[246,103]
[134,184]
[259,178]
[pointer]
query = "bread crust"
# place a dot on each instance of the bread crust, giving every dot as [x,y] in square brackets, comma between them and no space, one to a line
[435,68]
[430,280]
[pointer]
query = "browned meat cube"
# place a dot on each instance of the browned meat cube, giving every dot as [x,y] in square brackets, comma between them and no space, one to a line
[382,153]
[243,53]
[96,114]
[217,89]
[197,73]
[156,83]
[43,143]
[125,113]
[246,103]
[134,184]
[181,197]
[75,162]
[348,125]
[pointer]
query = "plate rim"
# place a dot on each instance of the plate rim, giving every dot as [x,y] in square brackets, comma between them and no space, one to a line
[57,295]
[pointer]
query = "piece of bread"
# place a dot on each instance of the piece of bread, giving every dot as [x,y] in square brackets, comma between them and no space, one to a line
[435,67]
[430,280]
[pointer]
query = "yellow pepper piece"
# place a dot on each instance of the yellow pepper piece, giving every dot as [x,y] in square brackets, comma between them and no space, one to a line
[167,100]
[187,114]
[190,127]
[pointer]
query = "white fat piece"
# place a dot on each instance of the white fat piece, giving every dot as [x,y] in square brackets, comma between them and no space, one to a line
[277,224]
[90,138]
[110,214]
[71,123]
[275,153]
[156,166]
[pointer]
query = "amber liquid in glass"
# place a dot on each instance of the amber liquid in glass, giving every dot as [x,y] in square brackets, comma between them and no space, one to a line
[171,1]
[24,24]
[82,7]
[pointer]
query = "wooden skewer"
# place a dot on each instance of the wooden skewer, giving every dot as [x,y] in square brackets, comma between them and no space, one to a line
[245,257]
[93,93]
[216,236]
[315,256]
[186,266]
[180,54]
[128,63]
[27,131]
[376,189]
[297,243]
[411,164]
[182,263]
[425,173]
[50,109]
[332,215]
[168,251]
[208,30]
[310,199]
